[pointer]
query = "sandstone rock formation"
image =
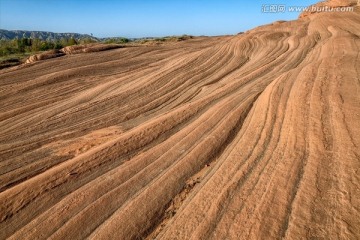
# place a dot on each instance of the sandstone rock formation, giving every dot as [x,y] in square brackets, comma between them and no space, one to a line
[44,56]
[253,136]
[86,48]
[76,49]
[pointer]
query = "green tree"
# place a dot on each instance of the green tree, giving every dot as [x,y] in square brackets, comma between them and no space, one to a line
[7,47]
[35,45]
[46,45]
[58,45]
[21,45]
[72,41]
[87,40]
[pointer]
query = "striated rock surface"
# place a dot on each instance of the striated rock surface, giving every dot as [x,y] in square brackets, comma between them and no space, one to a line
[253,136]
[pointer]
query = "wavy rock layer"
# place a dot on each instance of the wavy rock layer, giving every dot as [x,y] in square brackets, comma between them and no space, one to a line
[254,136]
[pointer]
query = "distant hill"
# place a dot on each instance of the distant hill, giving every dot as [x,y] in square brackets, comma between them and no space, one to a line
[50,36]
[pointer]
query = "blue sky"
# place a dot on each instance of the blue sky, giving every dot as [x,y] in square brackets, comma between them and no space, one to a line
[141,18]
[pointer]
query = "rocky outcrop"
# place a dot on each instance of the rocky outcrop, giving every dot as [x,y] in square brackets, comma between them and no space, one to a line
[9,63]
[76,49]
[45,55]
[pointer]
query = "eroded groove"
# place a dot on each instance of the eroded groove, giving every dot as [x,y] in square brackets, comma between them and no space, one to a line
[177,201]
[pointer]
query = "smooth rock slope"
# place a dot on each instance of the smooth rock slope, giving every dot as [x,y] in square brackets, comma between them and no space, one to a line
[254,136]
